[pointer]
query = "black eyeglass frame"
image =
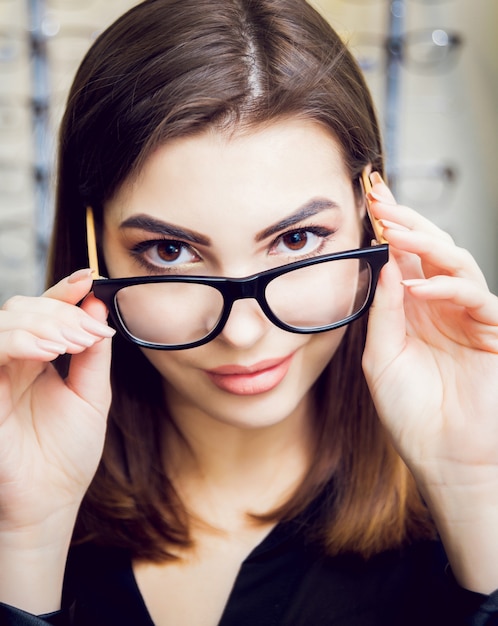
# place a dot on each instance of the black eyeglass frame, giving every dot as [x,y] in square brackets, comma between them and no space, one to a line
[233,289]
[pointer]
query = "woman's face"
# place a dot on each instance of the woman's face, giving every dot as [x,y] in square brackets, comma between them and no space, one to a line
[233,205]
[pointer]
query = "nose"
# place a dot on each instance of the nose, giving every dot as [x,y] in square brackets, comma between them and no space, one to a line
[246,324]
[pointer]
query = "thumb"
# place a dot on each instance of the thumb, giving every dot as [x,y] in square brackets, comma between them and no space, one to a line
[89,371]
[73,288]
[386,334]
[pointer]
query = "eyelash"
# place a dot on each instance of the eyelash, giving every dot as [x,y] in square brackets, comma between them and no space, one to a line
[138,251]
[324,235]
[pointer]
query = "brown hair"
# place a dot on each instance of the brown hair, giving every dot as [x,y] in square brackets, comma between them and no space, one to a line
[171,68]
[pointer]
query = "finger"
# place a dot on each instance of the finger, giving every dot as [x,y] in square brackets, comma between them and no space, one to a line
[438,255]
[89,375]
[73,288]
[379,188]
[89,372]
[95,308]
[402,217]
[55,318]
[386,334]
[384,207]
[60,324]
[404,228]
[480,304]
[19,344]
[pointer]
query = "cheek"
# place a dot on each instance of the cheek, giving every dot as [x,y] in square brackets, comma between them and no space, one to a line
[188,389]
[168,364]
[320,351]
[314,354]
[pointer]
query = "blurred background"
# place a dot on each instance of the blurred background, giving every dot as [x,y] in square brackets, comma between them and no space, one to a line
[432,66]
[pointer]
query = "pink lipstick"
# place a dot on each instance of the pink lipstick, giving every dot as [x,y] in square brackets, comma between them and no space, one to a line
[250,380]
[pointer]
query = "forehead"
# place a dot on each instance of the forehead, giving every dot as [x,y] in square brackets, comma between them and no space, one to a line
[239,176]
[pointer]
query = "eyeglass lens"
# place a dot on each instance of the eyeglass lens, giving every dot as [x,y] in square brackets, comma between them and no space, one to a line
[308,298]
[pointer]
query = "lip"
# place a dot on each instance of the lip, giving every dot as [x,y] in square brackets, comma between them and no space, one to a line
[253,379]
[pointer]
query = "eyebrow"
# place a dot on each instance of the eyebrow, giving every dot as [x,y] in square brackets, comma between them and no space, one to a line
[313,207]
[158,227]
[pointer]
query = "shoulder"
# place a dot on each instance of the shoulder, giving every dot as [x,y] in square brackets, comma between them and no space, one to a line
[92,560]
[100,585]
[409,586]
[101,578]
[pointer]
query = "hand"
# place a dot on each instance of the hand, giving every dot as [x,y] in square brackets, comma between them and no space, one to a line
[51,430]
[431,361]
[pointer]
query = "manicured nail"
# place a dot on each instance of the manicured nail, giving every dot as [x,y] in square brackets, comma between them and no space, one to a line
[97,328]
[414,282]
[371,195]
[393,225]
[80,275]
[78,337]
[51,346]
[375,178]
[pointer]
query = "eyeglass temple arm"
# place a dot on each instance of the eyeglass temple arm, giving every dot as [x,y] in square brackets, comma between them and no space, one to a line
[377,228]
[91,241]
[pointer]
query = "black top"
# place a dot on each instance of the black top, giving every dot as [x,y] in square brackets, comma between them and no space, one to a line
[285,581]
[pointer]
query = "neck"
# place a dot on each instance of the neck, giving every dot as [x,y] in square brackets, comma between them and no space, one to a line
[223,472]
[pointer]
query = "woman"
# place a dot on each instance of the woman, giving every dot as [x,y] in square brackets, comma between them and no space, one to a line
[248,473]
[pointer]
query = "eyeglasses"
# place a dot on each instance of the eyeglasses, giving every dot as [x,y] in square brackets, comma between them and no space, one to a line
[428,186]
[424,50]
[179,312]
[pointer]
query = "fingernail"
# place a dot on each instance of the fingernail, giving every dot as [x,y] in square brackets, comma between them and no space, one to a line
[371,195]
[51,346]
[393,225]
[95,327]
[80,275]
[375,178]
[414,282]
[78,337]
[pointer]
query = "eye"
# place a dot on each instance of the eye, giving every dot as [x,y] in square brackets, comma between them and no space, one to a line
[301,242]
[298,240]
[164,253]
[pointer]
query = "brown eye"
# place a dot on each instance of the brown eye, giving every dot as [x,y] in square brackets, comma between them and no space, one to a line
[303,241]
[165,254]
[296,240]
[169,251]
